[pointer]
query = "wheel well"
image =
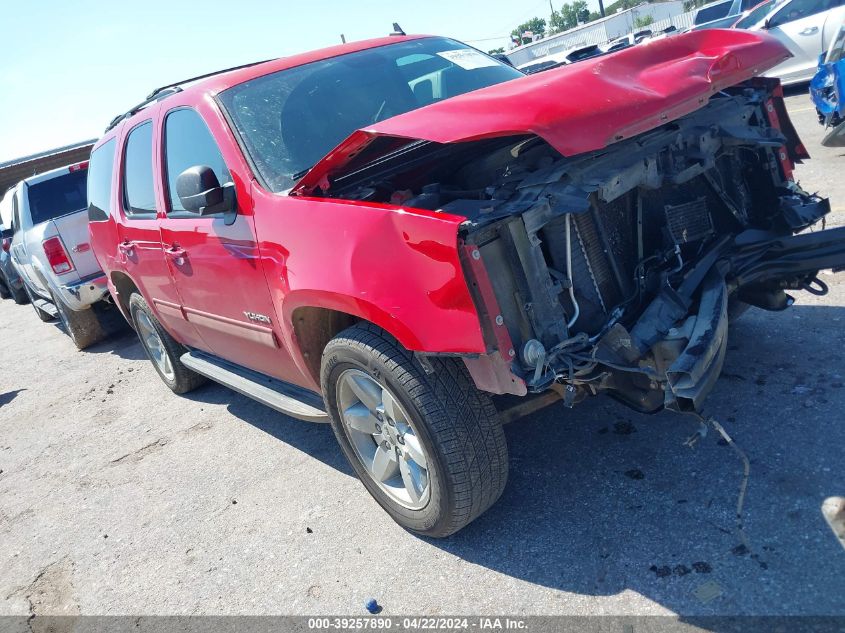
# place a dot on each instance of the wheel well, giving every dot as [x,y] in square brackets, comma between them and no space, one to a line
[314,328]
[125,287]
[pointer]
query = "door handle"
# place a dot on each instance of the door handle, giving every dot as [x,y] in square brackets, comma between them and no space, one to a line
[810,30]
[176,254]
[126,247]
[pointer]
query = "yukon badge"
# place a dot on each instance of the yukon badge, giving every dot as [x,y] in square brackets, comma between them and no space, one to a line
[257,318]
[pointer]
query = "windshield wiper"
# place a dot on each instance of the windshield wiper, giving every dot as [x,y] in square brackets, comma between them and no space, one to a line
[300,174]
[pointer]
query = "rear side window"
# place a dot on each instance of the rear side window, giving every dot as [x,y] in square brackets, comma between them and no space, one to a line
[99,181]
[138,194]
[58,196]
[188,143]
[798,9]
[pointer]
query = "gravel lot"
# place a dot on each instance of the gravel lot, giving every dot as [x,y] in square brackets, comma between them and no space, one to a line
[117,497]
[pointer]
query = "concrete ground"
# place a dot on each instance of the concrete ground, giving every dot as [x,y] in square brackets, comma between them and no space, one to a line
[118,497]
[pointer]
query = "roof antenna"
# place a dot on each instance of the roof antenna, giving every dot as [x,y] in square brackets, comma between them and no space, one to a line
[397,30]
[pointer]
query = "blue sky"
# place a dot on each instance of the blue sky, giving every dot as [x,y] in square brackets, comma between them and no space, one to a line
[68,67]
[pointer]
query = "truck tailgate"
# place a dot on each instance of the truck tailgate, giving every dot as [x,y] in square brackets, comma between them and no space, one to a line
[73,229]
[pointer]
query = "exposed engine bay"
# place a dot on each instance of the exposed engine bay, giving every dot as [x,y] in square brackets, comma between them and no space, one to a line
[616,271]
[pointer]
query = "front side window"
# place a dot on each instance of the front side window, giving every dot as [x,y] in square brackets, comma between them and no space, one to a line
[189,143]
[138,193]
[99,181]
[289,120]
[58,196]
[755,16]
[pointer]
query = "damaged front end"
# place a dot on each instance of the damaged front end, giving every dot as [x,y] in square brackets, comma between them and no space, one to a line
[617,270]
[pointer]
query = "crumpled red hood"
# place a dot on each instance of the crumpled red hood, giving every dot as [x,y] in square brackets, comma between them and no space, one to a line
[585,106]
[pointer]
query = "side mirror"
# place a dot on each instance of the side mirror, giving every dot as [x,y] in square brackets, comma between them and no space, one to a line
[767,24]
[200,192]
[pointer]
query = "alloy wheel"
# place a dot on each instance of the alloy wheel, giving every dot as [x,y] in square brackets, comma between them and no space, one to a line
[384,438]
[153,344]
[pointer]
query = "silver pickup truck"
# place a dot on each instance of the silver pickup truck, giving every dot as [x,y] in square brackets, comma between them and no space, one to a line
[52,254]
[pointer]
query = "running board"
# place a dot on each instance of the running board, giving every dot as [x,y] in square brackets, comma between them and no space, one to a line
[283,397]
[47,307]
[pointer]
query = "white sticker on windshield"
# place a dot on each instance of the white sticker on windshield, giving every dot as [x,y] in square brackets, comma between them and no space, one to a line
[468,59]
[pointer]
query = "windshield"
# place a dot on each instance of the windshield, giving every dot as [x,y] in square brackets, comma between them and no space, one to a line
[58,196]
[290,119]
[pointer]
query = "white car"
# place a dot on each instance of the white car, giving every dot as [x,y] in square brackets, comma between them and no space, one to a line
[51,252]
[806,28]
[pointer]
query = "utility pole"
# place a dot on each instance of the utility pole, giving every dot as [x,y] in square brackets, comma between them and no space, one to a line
[343,37]
[601,8]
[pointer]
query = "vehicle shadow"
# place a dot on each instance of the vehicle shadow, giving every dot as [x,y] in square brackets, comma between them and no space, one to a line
[8,396]
[121,341]
[603,500]
[314,439]
[801,88]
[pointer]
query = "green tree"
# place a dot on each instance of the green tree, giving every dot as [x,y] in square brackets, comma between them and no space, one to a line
[569,16]
[537,26]
[496,51]
[643,21]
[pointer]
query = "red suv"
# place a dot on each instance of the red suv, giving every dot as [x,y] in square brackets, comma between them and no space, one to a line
[401,235]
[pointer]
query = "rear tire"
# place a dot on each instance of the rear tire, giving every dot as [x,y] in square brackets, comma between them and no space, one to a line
[42,314]
[5,293]
[446,450]
[82,326]
[162,349]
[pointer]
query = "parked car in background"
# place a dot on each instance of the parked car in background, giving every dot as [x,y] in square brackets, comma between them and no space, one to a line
[711,11]
[737,10]
[827,91]
[806,28]
[632,39]
[389,233]
[51,251]
[11,284]
[561,58]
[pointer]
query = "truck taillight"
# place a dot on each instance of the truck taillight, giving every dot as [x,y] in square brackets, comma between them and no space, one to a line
[57,255]
[7,244]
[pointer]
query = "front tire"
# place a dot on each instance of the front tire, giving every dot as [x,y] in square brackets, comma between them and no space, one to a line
[428,447]
[19,295]
[162,349]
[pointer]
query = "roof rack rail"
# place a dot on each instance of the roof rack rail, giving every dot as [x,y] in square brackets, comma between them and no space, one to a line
[165,91]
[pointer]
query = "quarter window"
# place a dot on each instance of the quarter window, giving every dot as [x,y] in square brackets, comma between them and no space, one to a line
[16,214]
[99,181]
[138,193]
[189,143]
